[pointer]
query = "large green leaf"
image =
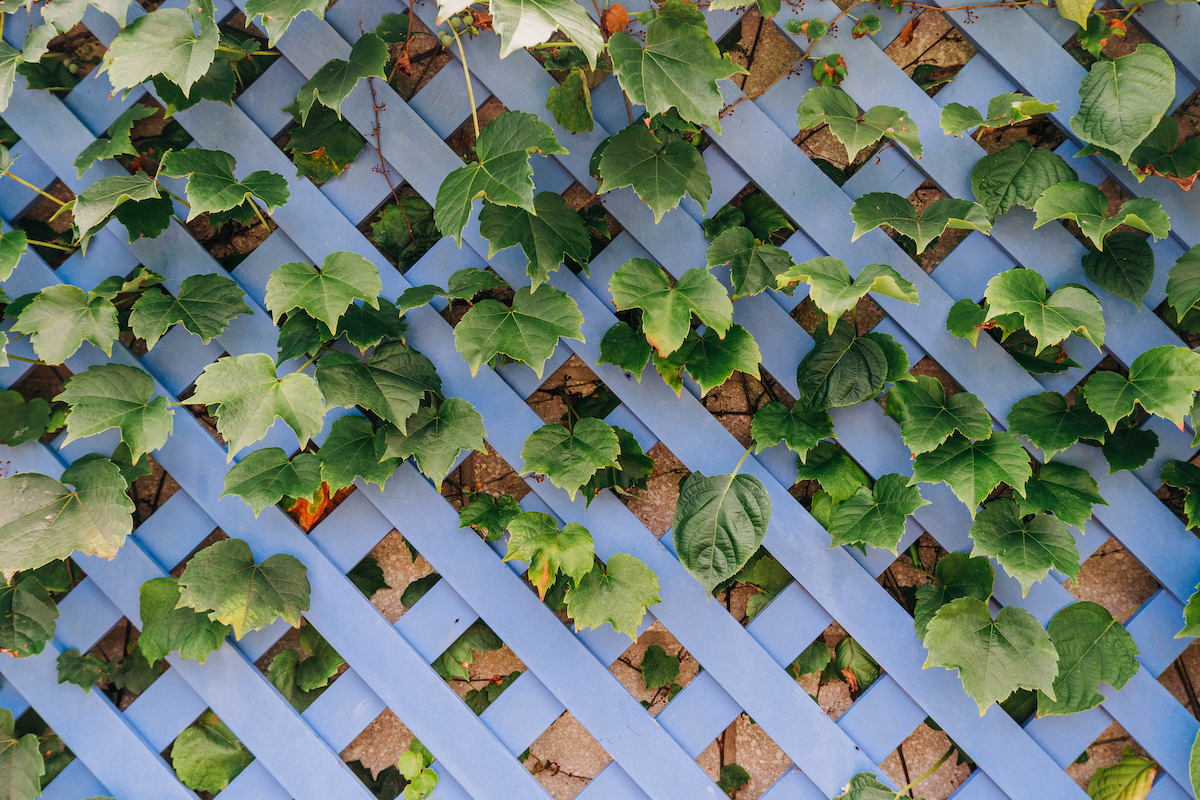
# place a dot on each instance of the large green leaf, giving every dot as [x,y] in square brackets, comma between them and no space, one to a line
[405,231]
[1003,110]
[168,627]
[835,293]
[618,593]
[958,575]
[1049,423]
[1092,647]
[1121,101]
[283,673]
[62,317]
[1183,287]
[266,476]
[841,369]
[21,421]
[753,264]
[569,458]
[927,418]
[972,469]
[720,521]
[1161,380]
[571,102]
[324,145]
[875,517]
[1129,446]
[452,664]
[117,144]
[225,580]
[326,294]
[205,306]
[1124,268]
[12,246]
[1017,175]
[97,204]
[1131,779]
[41,520]
[1050,320]
[667,310]
[334,81]
[489,515]
[535,538]
[801,430]
[528,331]
[883,208]
[660,169]
[1066,491]
[10,59]
[436,436]
[832,106]
[503,174]
[277,15]
[352,449]
[832,467]
[27,614]
[464,284]
[391,384]
[248,397]
[211,185]
[21,764]
[117,396]
[993,658]
[1086,205]
[1162,154]
[163,42]
[365,326]
[207,756]
[712,360]
[322,662]
[1026,548]
[659,670]
[525,23]
[556,231]
[678,68]
[626,348]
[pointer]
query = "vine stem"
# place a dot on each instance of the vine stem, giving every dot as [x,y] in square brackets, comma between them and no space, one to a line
[224,49]
[52,245]
[261,218]
[26,183]
[467,74]
[382,165]
[179,199]
[27,360]
[929,771]
[553,45]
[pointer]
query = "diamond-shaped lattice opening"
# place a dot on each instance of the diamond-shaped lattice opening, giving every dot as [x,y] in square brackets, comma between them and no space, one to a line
[602,227]
[820,145]
[1113,578]
[752,589]
[902,578]
[406,573]
[572,388]
[565,758]
[865,315]
[70,58]
[939,248]
[457,309]
[761,212]
[744,760]
[41,225]
[402,228]
[44,383]
[462,141]
[483,472]
[1182,678]
[930,50]
[425,58]
[302,665]
[762,49]
[373,754]
[655,668]
[834,670]
[1105,751]
[123,673]
[921,751]
[247,70]
[56,756]
[151,490]
[655,506]
[230,236]
[207,755]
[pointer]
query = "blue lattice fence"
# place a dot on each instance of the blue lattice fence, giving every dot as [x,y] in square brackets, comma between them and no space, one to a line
[296,755]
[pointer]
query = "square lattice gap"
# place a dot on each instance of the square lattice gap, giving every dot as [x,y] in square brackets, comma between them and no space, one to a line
[752,589]
[293,640]
[1113,578]
[1182,678]
[402,228]
[935,253]
[761,48]
[652,688]
[462,141]
[38,224]
[230,236]
[407,574]
[866,315]
[838,682]
[482,472]
[919,751]
[1104,751]
[901,580]
[930,50]
[374,752]
[565,758]
[78,47]
[426,58]
[55,753]
[46,383]
[573,385]
[126,672]
[743,744]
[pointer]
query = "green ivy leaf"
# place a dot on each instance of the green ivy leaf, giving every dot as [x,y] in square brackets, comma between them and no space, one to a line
[436,436]
[660,169]
[800,429]
[405,231]
[277,15]
[452,664]
[659,670]
[965,319]
[489,515]
[1131,779]
[679,66]
[391,384]
[1125,268]
[117,144]
[875,517]
[1161,380]
[282,673]
[972,469]
[248,398]
[993,658]
[354,449]
[1186,476]
[365,327]
[618,592]
[322,663]
[832,106]
[42,520]
[27,614]
[1121,101]
[812,659]
[569,458]
[207,756]
[334,81]
[830,465]
[97,204]
[1183,287]
[1086,205]
[1049,423]
[211,186]
[1050,320]
[571,103]
[117,396]
[555,232]
[1159,155]
[1092,647]
[464,284]
[712,360]
[626,348]
[1128,447]
[667,310]
[528,331]
[958,575]
[1003,110]
[163,42]
[326,294]
[1017,176]
[62,317]
[927,418]
[12,247]
[205,306]
[20,421]
[168,626]
[883,208]
[21,764]
[81,669]
[225,580]
[535,538]
[720,521]
[503,174]
[841,369]
[835,293]
[753,265]
[1027,549]
[525,24]
[368,577]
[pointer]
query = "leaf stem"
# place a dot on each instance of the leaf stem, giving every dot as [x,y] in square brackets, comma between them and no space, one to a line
[741,461]
[175,197]
[223,49]
[929,771]
[467,74]
[261,218]
[320,350]
[27,360]
[26,183]
[553,45]
[52,245]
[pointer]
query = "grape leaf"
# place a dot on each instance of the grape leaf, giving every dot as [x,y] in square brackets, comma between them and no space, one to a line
[326,294]
[1125,268]
[81,669]
[569,458]
[841,369]
[993,658]
[327,134]
[1159,155]
[354,448]
[248,397]
[1161,380]
[883,208]
[1003,110]
[42,520]
[489,515]
[283,676]
[364,326]
[1092,647]
[207,756]
[97,204]
[1017,175]
[21,765]
[277,15]
[525,23]
[556,231]
[927,418]
[225,580]
[368,577]
[391,384]
[12,247]
[660,169]
[10,59]
[217,84]
[1027,549]
[452,664]
[1131,779]
[300,334]
[835,293]
[667,310]
[1186,476]
[464,284]
[1086,205]
[535,538]
[527,332]
[959,575]
[1183,287]
[626,348]
[503,174]
[679,66]
[811,660]
[264,477]
[211,185]
[1067,491]
[801,430]
[720,521]
[763,217]
[875,517]
[1128,447]
[62,317]
[1121,101]
[571,103]
[1047,421]
[205,306]
[753,265]
[965,319]
[334,81]
[712,360]
[832,106]
[435,437]
[405,231]
[322,662]
[829,465]
[117,396]
[1191,616]
[1050,320]
[163,42]
[27,614]
[618,592]
[117,144]
[854,665]
[972,469]
[659,670]
[866,786]
[20,421]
